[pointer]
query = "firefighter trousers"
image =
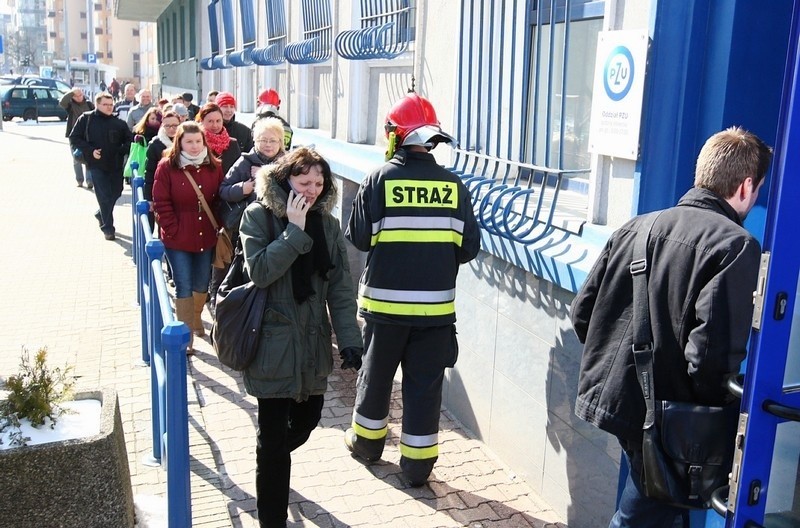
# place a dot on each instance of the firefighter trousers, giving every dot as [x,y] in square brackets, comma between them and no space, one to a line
[423,353]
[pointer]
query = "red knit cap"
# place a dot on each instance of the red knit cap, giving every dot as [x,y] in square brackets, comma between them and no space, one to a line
[225,99]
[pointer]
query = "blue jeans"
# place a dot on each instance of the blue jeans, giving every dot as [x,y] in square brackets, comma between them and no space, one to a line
[190,271]
[635,510]
[78,168]
[107,190]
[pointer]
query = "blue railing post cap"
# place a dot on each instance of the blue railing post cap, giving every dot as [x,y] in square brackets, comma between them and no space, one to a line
[142,206]
[134,165]
[154,249]
[175,335]
[138,180]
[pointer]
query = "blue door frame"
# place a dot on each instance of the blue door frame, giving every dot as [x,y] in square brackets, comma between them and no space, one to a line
[771,397]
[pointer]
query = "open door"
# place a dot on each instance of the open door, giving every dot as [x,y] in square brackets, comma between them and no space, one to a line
[765,483]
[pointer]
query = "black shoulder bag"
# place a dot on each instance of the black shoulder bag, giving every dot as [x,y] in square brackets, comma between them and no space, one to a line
[239,311]
[687,449]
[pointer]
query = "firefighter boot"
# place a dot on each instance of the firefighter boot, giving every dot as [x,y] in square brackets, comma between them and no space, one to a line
[184,312]
[416,472]
[364,448]
[197,320]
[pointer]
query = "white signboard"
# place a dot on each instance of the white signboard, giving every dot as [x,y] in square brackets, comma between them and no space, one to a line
[618,91]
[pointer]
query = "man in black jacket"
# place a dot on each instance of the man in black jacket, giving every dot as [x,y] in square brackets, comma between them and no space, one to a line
[702,272]
[237,130]
[75,103]
[103,139]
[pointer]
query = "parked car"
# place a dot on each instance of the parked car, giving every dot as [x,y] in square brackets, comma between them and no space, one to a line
[35,80]
[30,102]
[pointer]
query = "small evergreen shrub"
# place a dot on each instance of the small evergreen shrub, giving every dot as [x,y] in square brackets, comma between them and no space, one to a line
[34,394]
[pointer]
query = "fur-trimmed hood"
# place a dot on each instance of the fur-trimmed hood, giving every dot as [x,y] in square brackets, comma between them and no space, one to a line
[270,193]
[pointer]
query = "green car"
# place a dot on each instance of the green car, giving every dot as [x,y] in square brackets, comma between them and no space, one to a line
[30,102]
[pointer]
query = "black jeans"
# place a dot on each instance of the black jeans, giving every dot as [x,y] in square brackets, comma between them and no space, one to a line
[283,425]
[107,190]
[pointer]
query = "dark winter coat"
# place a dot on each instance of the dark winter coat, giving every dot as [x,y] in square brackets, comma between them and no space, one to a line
[74,109]
[295,353]
[184,223]
[155,151]
[241,133]
[701,276]
[231,189]
[107,133]
[415,219]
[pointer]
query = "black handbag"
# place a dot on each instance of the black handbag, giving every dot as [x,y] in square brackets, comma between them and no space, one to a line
[687,449]
[230,213]
[240,307]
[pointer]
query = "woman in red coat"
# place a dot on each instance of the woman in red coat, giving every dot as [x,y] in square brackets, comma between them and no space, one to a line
[186,230]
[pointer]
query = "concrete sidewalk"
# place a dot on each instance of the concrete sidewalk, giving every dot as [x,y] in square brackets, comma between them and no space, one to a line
[70,290]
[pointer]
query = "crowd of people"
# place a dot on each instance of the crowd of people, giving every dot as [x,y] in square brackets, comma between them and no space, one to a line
[205,169]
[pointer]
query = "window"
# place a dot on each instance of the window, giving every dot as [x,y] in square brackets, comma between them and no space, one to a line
[183,32]
[109,55]
[83,15]
[135,32]
[83,35]
[192,31]
[174,52]
[560,84]
[98,31]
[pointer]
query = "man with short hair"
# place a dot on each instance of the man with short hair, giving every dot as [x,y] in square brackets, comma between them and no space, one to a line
[128,101]
[211,97]
[137,112]
[75,103]
[104,140]
[191,107]
[702,266]
[237,130]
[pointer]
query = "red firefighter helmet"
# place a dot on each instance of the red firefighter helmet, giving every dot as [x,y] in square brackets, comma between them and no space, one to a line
[414,122]
[269,97]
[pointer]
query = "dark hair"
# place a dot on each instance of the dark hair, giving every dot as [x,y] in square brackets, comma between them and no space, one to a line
[299,161]
[174,152]
[208,108]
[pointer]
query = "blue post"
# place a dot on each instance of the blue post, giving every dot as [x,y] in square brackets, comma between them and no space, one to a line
[138,183]
[175,337]
[154,250]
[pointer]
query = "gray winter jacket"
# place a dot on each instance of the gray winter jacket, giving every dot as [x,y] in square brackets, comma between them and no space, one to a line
[295,349]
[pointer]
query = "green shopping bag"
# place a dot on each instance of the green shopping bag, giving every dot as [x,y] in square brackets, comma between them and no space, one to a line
[138,153]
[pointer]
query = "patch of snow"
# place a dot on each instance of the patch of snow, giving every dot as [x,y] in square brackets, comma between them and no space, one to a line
[151,511]
[80,419]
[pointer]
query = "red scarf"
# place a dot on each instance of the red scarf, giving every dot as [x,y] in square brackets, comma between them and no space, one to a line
[218,143]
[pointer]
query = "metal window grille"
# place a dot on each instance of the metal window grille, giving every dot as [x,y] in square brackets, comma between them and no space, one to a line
[316,44]
[385,31]
[272,53]
[516,195]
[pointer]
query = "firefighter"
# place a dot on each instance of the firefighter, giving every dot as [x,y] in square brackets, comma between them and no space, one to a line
[415,220]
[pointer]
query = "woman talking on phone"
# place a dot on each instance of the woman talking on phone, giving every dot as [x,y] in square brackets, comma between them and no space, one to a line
[301,259]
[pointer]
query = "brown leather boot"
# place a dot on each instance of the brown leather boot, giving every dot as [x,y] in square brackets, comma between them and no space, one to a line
[184,312]
[197,321]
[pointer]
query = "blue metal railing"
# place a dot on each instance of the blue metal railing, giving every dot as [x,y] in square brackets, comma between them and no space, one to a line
[511,199]
[316,44]
[384,33]
[164,342]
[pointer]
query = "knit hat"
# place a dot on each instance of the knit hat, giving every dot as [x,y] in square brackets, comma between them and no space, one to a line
[180,109]
[187,96]
[225,99]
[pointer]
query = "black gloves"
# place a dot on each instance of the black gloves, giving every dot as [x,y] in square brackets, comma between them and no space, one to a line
[351,358]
